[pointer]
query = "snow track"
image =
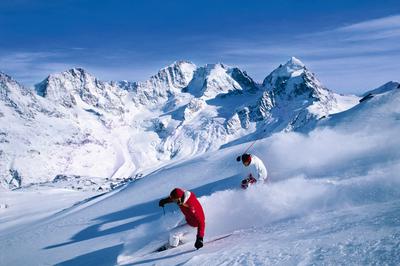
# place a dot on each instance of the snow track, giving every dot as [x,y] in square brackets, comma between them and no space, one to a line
[124,164]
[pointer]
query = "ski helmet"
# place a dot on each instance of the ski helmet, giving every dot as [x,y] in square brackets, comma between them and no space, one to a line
[246,158]
[176,193]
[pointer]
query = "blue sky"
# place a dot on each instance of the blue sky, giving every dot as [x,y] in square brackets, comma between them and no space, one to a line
[351,45]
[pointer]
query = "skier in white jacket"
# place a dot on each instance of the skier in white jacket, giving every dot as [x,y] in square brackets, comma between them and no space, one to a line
[256,171]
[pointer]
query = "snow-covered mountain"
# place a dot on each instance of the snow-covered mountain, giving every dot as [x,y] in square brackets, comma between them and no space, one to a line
[196,119]
[76,87]
[41,140]
[163,86]
[384,88]
[381,103]
[300,98]
[72,121]
[332,198]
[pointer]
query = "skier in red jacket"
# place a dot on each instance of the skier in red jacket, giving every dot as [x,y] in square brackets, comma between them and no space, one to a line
[194,216]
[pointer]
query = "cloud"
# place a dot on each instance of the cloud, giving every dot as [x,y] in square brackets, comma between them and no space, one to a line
[30,68]
[352,58]
[353,36]
[345,55]
[382,29]
[390,23]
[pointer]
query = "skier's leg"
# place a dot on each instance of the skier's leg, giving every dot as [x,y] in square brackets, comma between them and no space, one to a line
[178,233]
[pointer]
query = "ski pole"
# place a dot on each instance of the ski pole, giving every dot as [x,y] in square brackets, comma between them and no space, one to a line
[251,145]
[248,148]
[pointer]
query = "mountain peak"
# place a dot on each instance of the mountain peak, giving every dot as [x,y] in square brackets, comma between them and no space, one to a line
[4,76]
[57,80]
[294,62]
[77,72]
[76,86]
[292,68]
[210,67]
[293,82]
[180,63]
[72,73]
[7,80]
[168,81]
[183,66]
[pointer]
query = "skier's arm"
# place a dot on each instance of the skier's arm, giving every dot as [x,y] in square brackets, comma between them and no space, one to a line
[164,201]
[201,228]
[201,222]
[261,171]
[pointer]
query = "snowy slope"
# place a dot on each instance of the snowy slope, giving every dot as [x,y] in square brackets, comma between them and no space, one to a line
[333,198]
[384,88]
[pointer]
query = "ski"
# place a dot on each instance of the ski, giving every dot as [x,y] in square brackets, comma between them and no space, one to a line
[166,246]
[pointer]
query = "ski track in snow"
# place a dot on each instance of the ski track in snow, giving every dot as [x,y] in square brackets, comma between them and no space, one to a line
[125,166]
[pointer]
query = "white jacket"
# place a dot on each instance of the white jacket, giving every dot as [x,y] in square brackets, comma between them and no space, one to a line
[257,169]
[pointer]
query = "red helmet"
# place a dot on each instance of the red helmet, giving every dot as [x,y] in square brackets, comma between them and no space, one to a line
[176,193]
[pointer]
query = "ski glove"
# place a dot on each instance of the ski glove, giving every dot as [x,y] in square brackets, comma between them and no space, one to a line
[162,202]
[199,242]
[246,182]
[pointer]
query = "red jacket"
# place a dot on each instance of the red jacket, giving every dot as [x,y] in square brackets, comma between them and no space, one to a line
[190,207]
[194,214]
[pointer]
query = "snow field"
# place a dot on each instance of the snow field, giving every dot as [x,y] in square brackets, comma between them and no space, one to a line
[332,198]
[42,203]
[367,167]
